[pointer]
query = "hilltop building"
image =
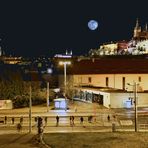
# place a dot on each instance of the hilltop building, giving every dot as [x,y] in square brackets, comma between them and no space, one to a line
[138,45]
[139,33]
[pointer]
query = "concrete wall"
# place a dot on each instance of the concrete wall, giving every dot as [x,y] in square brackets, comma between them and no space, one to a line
[115,80]
[121,100]
[142,99]
[106,100]
[118,100]
[6,104]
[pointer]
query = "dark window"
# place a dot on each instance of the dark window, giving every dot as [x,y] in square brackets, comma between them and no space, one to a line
[107,81]
[89,79]
[123,83]
[139,79]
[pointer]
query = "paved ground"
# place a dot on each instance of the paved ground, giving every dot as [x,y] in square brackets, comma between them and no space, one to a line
[90,135]
[77,109]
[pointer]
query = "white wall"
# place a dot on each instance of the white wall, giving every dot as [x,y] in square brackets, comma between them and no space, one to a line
[106,100]
[142,99]
[115,80]
[6,104]
[118,99]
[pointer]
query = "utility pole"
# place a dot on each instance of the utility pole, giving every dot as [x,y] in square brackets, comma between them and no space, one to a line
[30,110]
[47,101]
[135,102]
[135,98]
[65,81]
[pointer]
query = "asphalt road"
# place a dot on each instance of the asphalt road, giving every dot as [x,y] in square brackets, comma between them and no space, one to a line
[99,121]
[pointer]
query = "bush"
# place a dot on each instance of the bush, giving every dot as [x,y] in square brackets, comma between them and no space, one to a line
[38,100]
[20,101]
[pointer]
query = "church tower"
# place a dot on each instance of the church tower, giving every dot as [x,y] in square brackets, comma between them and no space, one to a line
[137,30]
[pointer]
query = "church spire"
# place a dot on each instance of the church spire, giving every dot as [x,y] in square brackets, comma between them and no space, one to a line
[66,52]
[137,29]
[137,23]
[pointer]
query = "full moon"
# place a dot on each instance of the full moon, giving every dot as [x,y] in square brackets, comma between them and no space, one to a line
[92,25]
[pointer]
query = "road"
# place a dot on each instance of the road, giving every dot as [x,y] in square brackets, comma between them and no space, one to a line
[124,118]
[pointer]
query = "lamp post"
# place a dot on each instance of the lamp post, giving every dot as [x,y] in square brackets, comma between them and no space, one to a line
[30,110]
[135,101]
[47,101]
[65,73]
[49,71]
[65,63]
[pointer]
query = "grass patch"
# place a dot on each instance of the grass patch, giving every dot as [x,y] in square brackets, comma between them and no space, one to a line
[95,140]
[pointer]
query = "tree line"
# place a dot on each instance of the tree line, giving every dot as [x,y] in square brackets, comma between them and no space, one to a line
[13,87]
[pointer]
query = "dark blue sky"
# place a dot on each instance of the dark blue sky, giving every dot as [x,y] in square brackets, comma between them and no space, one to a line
[38,27]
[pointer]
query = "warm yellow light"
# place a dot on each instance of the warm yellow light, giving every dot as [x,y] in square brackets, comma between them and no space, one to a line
[65,63]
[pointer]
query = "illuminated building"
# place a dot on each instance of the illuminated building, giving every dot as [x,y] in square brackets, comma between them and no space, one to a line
[11,60]
[105,80]
[140,34]
[138,45]
[108,49]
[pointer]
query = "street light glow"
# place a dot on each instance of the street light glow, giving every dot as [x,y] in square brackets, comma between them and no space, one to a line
[49,70]
[64,62]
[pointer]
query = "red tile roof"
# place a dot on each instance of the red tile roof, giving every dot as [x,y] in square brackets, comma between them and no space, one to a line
[109,66]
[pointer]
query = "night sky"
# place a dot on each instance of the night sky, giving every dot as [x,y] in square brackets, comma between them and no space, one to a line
[48,27]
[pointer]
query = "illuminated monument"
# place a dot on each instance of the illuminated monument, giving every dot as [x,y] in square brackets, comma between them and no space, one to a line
[138,45]
[139,33]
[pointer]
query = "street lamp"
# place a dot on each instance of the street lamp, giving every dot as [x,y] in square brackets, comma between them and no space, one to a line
[49,71]
[65,70]
[135,100]
[65,63]
[30,109]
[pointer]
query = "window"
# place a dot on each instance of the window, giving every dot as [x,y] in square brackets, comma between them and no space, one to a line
[89,79]
[139,79]
[123,83]
[107,81]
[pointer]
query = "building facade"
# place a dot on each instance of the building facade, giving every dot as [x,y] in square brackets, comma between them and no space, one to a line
[107,80]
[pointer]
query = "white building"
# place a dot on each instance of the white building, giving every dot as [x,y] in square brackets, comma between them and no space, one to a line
[107,80]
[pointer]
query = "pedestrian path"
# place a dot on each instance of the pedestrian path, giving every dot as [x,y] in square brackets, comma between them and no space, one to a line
[126,122]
